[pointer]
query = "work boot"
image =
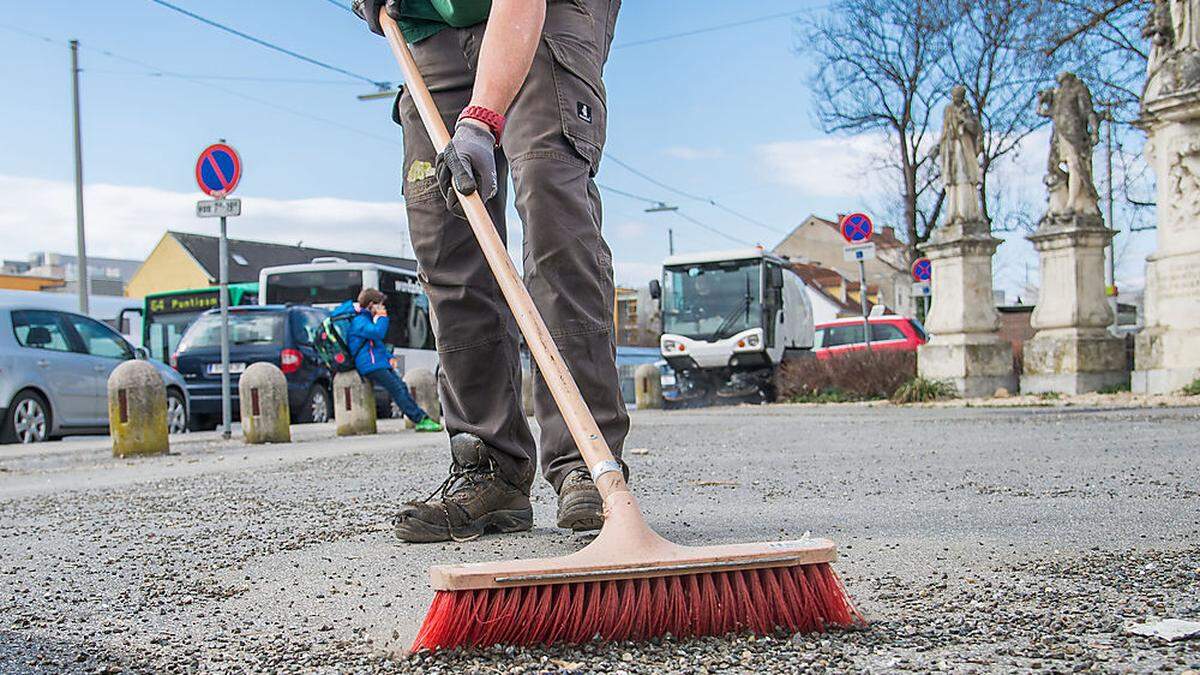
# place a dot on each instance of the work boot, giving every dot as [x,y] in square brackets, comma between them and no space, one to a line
[580,507]
[475,498]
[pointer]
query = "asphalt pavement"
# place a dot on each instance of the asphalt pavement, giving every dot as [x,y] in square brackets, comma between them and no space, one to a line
[973,539]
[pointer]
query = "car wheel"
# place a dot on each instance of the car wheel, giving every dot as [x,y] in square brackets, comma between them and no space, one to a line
[316,406]
[28,419]
[177,421]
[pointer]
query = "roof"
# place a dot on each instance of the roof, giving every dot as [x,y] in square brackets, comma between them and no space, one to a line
[714,256]
[819,279]
[883,237]
[849,320]
[260,254]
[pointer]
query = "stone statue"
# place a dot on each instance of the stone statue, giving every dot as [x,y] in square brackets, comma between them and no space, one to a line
[958,155]
[1173,28]
[1076,128]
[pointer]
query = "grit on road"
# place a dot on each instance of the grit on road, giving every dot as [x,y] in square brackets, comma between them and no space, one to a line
[972,538]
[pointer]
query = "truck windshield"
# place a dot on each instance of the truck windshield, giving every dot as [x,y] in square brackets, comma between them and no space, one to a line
[712,301]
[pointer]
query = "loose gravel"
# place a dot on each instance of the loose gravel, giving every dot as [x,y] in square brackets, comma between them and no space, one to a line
[974,540]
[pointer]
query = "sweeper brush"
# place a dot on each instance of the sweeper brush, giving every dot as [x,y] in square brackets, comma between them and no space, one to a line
[629,583]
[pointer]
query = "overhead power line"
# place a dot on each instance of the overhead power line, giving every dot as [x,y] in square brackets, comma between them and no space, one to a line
[382,84]
[695,197]
[339,5]
[697,223]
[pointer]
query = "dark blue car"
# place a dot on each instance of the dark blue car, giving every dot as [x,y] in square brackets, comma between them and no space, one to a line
[278,334]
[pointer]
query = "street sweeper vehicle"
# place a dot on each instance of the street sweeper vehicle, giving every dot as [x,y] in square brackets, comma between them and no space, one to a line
[729,319]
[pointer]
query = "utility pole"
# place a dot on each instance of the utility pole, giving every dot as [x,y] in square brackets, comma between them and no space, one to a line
[661,207]
[80,239]
[670,241]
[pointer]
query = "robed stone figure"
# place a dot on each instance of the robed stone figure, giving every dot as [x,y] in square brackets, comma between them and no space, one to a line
[958,157]
[1075,129]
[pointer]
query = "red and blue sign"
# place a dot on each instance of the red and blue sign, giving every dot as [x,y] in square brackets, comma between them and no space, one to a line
[922,269]
[857,228]
[218,170]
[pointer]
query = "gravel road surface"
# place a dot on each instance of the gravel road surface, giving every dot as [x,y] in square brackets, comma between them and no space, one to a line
[973,539]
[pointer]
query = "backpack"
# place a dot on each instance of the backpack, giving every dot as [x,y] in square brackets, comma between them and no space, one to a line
[331,343]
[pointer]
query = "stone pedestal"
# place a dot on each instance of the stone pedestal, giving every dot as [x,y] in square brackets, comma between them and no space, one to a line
[1072,352]
[137,410]
[1167,351]
[964,346]
[263,404]
[353,405]
[422,384]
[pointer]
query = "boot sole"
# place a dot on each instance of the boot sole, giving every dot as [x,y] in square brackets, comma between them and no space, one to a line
[498,522]
[581,512]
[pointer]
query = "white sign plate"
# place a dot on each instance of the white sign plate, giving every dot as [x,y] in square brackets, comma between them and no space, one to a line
[856,252]
[921,289]
[216,208]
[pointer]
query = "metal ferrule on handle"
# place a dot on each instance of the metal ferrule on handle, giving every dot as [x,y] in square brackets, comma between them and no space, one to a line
[578,418]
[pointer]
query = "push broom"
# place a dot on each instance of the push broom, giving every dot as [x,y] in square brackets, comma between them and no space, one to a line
[629,583]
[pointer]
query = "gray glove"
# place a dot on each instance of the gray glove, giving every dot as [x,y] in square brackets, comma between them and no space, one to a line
[469,162]
[368,10]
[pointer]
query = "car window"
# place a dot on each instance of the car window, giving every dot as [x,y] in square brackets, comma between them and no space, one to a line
[307,323]
[886,331]
[100,340]
[245,328]
[836,336]
[40,330]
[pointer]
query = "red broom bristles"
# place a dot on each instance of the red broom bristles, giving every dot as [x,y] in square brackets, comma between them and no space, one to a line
[798,599]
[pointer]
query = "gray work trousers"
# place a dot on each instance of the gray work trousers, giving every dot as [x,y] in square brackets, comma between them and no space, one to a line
[551,144]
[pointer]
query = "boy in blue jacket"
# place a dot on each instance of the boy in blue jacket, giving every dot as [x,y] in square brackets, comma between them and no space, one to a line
[373,360]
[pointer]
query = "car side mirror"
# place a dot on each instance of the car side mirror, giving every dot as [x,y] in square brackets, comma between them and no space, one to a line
[655,289]
[775,277]
[141,353]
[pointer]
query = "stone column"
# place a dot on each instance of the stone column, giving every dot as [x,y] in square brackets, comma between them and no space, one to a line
[1072,352]
[1167,353]
[964,346]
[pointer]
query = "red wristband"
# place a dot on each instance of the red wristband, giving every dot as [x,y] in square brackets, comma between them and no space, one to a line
[493,120]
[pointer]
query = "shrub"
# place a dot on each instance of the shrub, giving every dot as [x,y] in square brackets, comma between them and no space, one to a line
[853,376]
[1114,388]
[922,390]
[1192,389]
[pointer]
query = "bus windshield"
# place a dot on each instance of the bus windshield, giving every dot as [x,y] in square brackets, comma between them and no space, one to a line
[317,287]
[712,301]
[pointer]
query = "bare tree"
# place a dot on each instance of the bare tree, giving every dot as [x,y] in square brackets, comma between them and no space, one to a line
[878,69]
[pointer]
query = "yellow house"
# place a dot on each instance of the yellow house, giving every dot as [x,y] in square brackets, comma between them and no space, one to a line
[182,260]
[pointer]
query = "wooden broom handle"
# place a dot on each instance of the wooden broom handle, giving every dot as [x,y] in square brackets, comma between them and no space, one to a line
[570,403]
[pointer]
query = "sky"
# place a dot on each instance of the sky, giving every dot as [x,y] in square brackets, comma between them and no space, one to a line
[720,115]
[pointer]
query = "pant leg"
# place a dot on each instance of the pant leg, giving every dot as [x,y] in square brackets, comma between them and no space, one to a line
[553,141]
[401,396]
[476,335]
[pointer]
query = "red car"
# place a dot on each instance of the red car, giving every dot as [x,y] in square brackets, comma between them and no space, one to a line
[892,333]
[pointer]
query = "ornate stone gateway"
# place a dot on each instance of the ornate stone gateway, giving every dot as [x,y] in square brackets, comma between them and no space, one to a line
[1167,354]
[1073,351]
[964,345]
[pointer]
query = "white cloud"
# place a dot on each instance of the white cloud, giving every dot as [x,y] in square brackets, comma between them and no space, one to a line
[693,153]
[125,221]
[833,166]
[635,274]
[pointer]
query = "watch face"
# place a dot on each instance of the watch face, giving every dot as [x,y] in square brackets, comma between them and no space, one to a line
[584,111]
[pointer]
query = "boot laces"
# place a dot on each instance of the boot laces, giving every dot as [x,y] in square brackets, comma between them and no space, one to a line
[460,483]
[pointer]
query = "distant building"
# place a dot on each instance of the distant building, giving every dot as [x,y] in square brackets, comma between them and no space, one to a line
[832,295]
[636,318]
[49,271]
[181,260]
[817,241]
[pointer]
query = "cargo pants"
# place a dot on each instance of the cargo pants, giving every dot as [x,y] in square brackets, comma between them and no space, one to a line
[551,144]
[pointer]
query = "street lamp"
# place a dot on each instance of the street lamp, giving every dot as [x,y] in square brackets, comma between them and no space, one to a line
[659,208]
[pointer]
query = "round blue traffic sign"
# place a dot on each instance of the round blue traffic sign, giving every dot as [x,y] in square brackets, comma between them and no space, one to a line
[857,228]
[218,170]
[922,269]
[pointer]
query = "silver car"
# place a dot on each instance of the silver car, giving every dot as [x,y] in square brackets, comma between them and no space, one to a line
[54,369]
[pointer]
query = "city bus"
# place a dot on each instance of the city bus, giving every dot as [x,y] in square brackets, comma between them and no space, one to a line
[328,282]
[166,315]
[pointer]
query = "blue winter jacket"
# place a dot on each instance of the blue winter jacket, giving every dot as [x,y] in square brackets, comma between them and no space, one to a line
[366,342]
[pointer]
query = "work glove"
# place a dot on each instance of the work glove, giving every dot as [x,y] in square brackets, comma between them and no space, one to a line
[368,10]
[469,164]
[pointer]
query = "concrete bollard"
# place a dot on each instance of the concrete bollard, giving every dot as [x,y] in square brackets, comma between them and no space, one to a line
[647,382]
[423,387]
[263,399]
[353,404]
[137,410]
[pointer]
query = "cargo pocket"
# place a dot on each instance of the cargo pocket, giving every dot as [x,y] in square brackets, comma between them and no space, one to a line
[581,99]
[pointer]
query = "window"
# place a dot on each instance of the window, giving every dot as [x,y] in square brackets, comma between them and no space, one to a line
[245,328]
[837,336]
[100,340]
[886,331]
[306,324]
[313,288]
[408,311]
[40,330]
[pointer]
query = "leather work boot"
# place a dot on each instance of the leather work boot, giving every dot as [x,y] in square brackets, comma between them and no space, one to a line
[474,499]
[580,507]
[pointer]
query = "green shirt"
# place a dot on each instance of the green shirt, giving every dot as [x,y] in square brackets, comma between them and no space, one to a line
[420,19]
